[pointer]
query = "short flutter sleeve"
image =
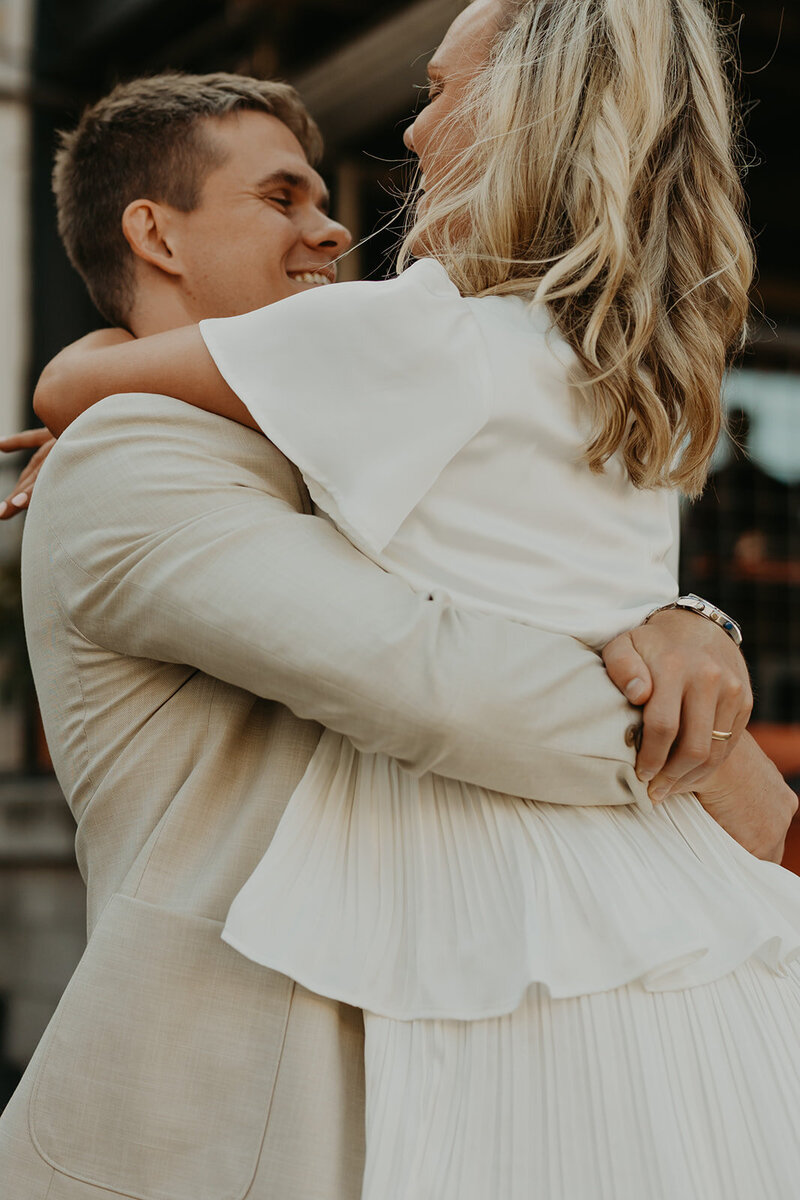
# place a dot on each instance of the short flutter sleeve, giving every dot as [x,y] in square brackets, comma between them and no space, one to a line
[369,388]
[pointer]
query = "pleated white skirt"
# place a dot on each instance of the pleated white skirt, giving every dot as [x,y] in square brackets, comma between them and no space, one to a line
[622,1095]
[426,897]
[561,1003]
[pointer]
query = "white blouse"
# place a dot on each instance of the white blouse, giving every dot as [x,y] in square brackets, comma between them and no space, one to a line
[442,435]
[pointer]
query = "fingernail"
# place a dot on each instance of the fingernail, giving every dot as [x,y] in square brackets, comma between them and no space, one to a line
[635,690]
[660,793]
[19,500]
[645,776]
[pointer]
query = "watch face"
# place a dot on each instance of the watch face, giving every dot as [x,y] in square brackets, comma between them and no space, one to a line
[705,609]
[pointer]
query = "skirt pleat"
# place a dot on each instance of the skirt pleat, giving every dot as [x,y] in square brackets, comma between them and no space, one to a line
[621,1095]
[425,897]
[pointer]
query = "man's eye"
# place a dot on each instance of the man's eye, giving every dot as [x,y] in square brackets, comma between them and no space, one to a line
[284,201]
[434,90]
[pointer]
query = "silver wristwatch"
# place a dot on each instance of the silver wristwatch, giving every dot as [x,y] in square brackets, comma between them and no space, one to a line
[703,608]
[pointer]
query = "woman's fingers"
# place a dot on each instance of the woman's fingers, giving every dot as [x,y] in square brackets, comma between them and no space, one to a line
[698,754]
[694,753]
[627,670]
[700,684]
[661,726]
[13,505]
[19,498]
[35,465]
[29,439]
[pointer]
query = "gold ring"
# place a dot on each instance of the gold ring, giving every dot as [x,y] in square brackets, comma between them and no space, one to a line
[718,736]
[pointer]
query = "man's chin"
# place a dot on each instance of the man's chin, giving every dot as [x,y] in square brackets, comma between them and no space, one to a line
[290,287]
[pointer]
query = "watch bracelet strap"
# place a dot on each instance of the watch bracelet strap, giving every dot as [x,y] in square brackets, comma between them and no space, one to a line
[703,608]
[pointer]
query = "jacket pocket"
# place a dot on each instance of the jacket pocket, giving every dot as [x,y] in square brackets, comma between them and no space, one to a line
[161,1061]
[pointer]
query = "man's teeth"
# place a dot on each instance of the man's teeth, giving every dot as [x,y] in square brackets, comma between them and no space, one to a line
[311,277]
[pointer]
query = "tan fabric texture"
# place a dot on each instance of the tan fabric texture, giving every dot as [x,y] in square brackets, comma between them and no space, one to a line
[189,621]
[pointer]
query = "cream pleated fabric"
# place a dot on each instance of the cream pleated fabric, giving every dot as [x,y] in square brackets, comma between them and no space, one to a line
[624,1095]
[561,1003]
[426,897]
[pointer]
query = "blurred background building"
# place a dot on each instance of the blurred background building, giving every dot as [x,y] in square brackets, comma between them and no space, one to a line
[357,63]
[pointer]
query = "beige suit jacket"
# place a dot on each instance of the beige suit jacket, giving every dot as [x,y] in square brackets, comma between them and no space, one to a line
[191,625]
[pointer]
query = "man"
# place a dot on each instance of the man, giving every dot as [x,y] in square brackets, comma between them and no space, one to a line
[186,612]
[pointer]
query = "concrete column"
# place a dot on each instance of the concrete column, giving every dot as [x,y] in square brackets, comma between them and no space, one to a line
[16,21]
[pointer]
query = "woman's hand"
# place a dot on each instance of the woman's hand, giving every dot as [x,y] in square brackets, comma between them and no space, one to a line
[750,799]
[690,679]
[40,440]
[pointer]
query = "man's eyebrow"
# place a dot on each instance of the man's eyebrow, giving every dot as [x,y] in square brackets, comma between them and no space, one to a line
[300,183]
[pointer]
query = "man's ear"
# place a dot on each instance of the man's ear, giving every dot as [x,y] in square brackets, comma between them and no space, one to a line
[147,229]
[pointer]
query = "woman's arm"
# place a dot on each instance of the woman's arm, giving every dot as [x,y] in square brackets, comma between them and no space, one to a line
[110,361]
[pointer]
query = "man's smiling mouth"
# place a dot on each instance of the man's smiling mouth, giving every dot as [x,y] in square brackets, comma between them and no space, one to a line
[315,278]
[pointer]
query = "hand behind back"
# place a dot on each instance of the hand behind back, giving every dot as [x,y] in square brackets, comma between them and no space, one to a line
[42,442]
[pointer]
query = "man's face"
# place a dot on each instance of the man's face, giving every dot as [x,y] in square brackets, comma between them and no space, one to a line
[261,231]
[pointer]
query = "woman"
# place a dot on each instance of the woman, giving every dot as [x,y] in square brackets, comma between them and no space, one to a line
[582,1003]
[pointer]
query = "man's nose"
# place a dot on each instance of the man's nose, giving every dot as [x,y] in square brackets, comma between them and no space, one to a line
[328,234]
[408,137]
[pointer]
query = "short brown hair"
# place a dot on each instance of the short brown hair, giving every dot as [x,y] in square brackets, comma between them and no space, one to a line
[145,140]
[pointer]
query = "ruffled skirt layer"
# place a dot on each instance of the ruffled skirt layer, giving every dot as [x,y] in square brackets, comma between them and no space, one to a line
[424,897]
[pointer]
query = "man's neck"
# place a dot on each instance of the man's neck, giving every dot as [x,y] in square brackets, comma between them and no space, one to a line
[158,311]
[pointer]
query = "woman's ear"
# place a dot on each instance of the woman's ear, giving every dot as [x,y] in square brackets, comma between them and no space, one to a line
[146,226]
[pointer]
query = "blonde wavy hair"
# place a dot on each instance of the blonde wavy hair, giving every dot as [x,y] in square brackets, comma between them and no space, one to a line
[602,179]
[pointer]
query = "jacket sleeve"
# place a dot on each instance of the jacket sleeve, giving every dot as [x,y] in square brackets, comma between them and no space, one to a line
[180,537]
